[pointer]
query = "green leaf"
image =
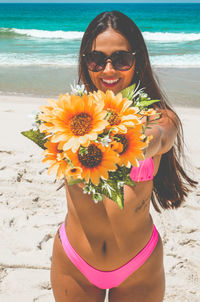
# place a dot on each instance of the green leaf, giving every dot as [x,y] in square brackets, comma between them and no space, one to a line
[74,181]
[116,194]
[129,181]
[36,136]
[120,202]
[128,92]
[147,103]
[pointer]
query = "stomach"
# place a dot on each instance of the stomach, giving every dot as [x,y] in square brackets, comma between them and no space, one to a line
[104,235]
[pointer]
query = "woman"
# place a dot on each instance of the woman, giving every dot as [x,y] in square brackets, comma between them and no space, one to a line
[101,246]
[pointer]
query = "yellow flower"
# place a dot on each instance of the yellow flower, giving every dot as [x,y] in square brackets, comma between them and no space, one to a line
[75,121]
[116,146]
[95,162]
[47,114]
[120,114]
[133,145]
[148,112]
[55,158]
[74,172]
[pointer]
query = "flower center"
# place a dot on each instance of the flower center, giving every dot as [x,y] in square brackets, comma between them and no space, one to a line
[124,141]
[113,117]
[92,158]
[81,124]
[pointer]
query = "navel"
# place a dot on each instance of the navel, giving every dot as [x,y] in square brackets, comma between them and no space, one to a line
[104,247]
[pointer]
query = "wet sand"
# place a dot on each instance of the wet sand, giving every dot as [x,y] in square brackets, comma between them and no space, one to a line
[181,85]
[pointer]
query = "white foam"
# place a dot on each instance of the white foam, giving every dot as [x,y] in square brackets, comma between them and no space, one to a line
[170,37]
[77,35]
[46,34]
[186,60]
[14,59]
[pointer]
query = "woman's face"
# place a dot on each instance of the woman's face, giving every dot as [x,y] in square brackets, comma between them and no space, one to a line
[109,42]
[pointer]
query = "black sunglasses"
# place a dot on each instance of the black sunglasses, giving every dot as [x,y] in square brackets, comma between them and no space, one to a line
[121,60]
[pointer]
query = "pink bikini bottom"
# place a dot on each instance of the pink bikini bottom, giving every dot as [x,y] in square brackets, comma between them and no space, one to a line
[108,279]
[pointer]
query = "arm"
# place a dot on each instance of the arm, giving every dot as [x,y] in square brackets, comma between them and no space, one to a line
[164,133]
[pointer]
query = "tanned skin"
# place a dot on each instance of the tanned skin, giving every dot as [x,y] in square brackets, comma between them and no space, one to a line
[104,235]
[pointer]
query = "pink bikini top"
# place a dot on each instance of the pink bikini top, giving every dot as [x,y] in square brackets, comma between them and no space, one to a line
[144,172]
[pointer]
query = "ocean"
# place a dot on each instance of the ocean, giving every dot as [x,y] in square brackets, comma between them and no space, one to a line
[49,35]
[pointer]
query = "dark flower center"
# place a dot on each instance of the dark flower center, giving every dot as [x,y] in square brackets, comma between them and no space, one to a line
[123,140]
[92,158]
[81,124]
[114,118]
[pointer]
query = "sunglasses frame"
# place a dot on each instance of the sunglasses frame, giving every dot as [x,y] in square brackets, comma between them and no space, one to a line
[109,58]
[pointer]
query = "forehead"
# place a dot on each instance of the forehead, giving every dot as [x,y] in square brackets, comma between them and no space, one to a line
[110,41]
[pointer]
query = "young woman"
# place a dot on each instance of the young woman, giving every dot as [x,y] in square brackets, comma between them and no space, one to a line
[99,246]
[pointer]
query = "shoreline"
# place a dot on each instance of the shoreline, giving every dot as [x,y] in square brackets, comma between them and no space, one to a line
[180,85]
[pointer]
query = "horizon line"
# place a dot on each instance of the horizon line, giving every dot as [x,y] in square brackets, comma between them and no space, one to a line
[99,2]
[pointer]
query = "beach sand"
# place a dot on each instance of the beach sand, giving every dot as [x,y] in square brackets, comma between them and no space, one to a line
[180,84]
[31,211]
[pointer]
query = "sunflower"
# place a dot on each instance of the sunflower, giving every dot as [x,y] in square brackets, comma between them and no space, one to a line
[75,121]
[119,113]
[116,146]
[46,115]
[133,144]
[95,162]
[55,158]
[148,112]
[74,172]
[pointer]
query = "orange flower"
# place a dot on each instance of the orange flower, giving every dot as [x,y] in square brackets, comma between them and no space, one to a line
[132,146]
[95,162]
[121,115]
[74,172]
[116,146]
[47,116]
[148,112]
[75,121]
[55,158]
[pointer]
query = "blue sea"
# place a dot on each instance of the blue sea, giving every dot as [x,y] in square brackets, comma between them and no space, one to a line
[50,34]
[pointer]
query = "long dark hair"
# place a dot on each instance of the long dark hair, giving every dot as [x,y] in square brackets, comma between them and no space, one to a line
[171,183]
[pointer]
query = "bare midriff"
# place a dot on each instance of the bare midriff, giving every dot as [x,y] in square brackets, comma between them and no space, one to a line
[104,235]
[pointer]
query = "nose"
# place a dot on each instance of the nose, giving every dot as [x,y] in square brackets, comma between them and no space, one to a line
[109,67]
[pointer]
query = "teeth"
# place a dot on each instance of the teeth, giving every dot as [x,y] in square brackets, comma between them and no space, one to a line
[110,81]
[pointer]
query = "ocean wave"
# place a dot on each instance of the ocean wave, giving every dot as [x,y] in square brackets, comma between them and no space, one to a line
[186,60]
[13,59]
[41,34]
[159,37]
[6,59]
[170,37]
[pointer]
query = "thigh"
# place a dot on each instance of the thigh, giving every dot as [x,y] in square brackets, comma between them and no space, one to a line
[147,284]
[68,283]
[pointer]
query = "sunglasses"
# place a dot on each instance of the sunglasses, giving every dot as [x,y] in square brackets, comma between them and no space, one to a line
[121,60]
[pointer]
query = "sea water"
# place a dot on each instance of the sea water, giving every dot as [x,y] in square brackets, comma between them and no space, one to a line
[45,35]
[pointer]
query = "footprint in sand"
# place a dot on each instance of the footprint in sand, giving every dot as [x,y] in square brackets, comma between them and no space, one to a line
[7,152]
[44,240]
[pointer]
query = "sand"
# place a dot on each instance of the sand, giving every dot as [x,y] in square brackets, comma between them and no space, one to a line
[180,84]
[31,210]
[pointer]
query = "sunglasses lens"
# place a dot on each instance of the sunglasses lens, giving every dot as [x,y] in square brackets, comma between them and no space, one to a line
[122,60]
[95,61]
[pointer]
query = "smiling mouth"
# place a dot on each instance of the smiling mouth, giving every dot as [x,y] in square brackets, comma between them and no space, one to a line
[110,83]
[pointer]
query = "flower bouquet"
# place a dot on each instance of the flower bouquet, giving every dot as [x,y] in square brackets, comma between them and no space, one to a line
[95,138]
